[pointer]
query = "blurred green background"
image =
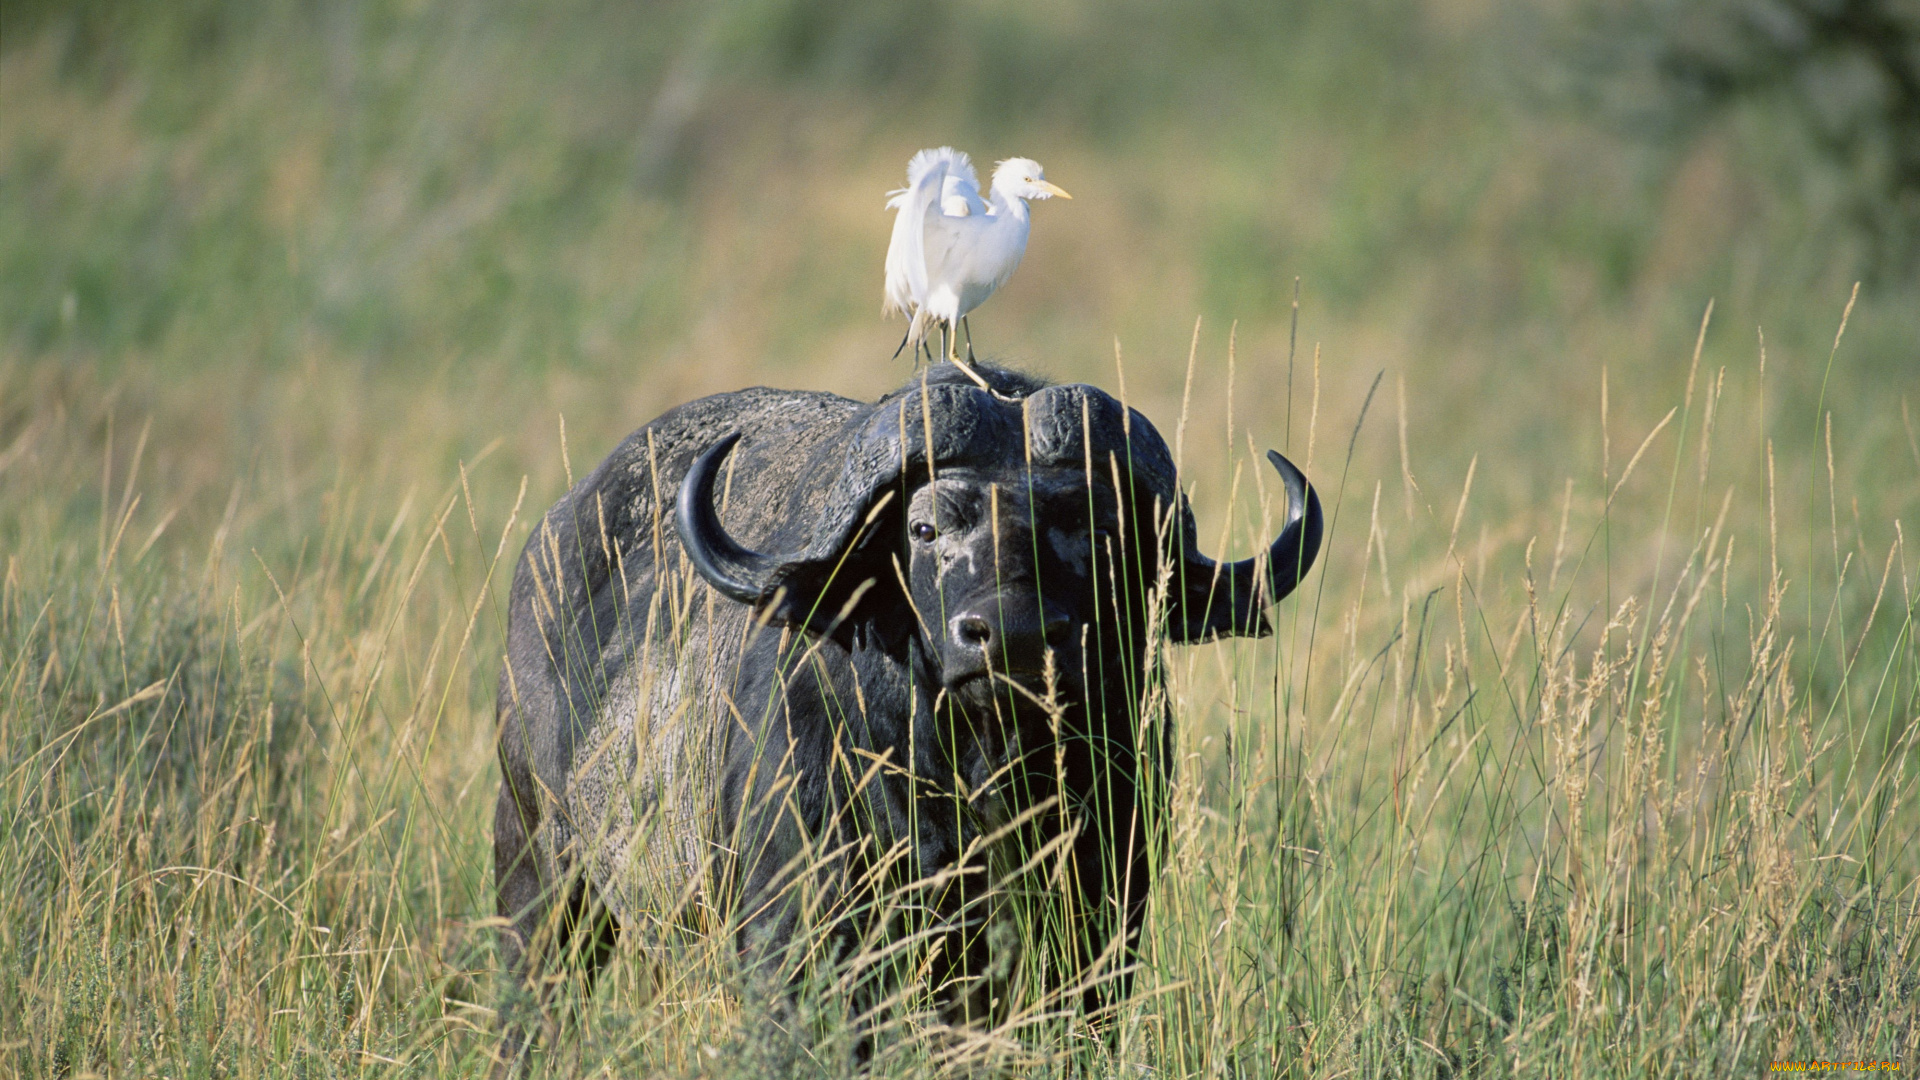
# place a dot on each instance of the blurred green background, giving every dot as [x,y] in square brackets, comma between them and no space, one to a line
[1491,198]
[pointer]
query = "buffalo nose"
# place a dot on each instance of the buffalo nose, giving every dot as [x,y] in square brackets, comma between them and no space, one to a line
[1011,636]
[973,631]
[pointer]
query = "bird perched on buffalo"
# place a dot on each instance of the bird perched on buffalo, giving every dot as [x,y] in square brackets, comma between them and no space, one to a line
[951,249]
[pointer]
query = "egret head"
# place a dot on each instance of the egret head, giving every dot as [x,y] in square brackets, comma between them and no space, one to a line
[1023,178]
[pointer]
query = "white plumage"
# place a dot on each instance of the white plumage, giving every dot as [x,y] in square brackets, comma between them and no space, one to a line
[951,249]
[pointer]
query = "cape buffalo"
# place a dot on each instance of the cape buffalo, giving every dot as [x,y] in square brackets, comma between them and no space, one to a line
[803,668]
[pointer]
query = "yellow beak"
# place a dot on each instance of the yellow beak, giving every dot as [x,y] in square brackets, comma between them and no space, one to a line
[1052,189]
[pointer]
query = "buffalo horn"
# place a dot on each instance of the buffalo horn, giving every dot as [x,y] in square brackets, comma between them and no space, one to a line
[1218,600]
[737,571]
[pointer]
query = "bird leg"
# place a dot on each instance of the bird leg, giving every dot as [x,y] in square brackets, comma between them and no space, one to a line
[975,376]
[950,337]
[903,342]
[968,326]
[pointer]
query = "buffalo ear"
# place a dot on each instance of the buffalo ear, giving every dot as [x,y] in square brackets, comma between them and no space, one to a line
[1206,612]
[1214,600]
[814,597]
[825,594]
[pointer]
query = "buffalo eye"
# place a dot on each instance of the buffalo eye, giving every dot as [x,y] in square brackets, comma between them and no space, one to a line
[923,532]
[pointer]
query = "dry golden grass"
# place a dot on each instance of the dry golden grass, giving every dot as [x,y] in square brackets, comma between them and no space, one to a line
[1601,788]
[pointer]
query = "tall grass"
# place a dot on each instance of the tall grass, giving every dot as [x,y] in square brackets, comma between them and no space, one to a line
[1622,785]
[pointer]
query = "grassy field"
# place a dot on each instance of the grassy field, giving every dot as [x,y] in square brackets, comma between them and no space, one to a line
[1590,749]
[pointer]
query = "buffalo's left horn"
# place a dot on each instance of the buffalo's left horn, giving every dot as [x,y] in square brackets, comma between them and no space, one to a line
[736,570]
[1215,600]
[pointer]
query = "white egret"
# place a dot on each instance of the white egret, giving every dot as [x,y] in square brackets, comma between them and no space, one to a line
[951,249]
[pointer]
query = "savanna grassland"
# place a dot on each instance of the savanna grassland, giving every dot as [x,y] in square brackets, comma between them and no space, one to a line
[1589,750]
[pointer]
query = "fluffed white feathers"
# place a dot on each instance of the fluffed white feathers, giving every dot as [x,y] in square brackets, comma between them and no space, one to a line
[951,249]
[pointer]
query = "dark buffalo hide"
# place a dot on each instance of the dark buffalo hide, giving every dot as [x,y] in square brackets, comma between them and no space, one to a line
[811,670]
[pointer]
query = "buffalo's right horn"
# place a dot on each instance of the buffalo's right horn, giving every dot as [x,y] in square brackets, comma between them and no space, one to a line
[729,566]
[1214,600]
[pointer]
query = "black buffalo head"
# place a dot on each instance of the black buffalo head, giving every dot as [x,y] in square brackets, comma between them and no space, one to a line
[1021,528]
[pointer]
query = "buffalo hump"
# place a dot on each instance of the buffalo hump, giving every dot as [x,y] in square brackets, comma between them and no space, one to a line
[608,706]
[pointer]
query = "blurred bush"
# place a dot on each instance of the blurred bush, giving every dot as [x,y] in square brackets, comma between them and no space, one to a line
[1833,83]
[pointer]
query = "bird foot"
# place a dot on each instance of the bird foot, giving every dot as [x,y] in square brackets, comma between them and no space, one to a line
[971,374]
[983,383]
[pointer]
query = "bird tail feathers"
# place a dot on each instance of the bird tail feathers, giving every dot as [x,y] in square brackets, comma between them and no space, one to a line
[954,162]
[917,330]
